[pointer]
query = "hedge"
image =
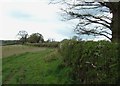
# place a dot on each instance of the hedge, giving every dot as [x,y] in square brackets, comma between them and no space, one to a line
[91,62]
[51,45]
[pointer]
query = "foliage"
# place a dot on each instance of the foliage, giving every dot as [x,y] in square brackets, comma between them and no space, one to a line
[51,44]
[9,42]
[36,38]
[50,40]
[91,62]
[23,36]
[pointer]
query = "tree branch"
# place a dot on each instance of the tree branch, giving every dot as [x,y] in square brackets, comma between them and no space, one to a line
[81,30]
[98,23]
[88,15]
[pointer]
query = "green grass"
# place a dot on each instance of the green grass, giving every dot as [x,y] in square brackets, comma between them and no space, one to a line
[41,67]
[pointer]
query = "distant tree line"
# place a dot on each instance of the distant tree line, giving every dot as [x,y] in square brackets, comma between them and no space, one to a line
[33,38]
[9,42]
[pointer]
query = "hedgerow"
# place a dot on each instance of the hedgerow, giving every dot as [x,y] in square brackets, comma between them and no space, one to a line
[51,45]
[91,62]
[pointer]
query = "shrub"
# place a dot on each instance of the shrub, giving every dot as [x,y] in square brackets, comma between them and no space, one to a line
[51,45]
[91,62]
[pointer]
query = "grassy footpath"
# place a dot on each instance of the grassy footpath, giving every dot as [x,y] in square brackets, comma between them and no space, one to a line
[42,67]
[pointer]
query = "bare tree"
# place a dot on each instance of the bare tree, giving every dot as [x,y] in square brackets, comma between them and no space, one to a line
[95,18]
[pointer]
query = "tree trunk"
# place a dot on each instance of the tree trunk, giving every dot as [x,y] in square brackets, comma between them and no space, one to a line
[115,25]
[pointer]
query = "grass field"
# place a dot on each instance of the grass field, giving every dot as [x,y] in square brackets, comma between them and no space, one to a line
[32,65]
[0,51]
[18,49]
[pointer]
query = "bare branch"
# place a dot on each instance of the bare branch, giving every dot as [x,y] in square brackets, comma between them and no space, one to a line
[100,18]
[88,15]
[98,23]
[85,31]
[75,10]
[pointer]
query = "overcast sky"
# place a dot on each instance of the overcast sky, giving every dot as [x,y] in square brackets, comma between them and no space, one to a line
[32,16]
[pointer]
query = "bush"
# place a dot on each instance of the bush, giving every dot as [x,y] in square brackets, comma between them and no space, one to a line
[91,62]
[51,45]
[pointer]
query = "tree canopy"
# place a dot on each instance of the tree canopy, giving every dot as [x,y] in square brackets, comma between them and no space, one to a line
[23,36]
[36,38]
